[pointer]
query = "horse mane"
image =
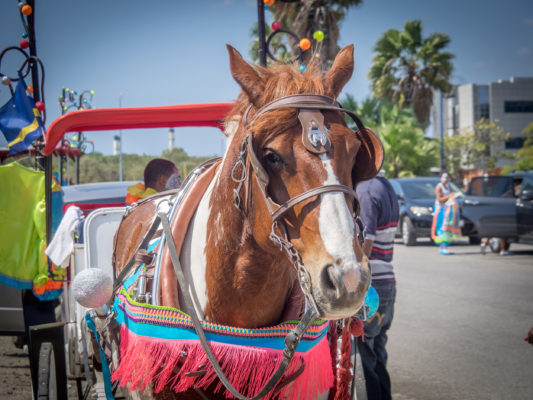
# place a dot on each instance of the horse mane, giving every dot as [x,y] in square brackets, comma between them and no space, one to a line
[280,80]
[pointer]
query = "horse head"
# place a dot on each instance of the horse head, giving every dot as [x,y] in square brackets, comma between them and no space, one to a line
[288,177]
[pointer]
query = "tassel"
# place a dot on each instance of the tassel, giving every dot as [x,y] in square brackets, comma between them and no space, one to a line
[165,362]
[345,365]
[357,328]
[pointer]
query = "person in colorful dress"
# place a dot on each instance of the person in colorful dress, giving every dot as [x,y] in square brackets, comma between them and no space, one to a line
[446,217]
[159,175]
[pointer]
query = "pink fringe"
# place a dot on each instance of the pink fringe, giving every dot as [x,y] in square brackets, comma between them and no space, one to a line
[146,359]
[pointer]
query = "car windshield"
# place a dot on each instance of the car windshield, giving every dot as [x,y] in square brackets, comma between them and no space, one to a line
[423,189]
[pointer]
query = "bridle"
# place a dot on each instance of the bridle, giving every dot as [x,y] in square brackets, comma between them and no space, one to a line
[316,139]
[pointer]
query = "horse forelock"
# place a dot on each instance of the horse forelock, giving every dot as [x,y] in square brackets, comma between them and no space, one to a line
[280,80]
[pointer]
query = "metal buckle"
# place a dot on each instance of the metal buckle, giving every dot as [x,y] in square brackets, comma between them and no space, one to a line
[316,135]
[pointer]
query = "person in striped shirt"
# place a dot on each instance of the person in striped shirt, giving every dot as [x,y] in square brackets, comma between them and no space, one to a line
[379,214]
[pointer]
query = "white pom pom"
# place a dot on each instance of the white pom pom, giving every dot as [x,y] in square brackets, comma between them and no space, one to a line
[92,287]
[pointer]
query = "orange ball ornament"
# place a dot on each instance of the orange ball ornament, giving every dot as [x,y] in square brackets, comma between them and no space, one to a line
[305,44]
[26,9]
[269,2]
[30,89]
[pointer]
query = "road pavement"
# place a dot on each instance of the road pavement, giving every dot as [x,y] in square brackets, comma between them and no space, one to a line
[459,324]
[457,332]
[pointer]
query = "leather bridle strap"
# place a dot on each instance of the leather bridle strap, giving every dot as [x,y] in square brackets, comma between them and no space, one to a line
[310,193]
[276,210]
[303,101]
[291,340]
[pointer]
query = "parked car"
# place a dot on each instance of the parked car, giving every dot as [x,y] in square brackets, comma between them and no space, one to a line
[416,198]
[500,206]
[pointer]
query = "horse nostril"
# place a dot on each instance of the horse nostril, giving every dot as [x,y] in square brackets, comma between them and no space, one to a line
[341,279]
[334,280]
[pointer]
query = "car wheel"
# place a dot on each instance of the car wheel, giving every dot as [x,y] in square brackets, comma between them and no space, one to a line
[474,240]
[408,232]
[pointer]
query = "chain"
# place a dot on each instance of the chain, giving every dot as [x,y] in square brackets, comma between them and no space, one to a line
[240,181]
[303,275]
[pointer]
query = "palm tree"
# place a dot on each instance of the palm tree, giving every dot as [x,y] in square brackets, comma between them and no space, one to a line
[407,67]
[305,18]
[407,151]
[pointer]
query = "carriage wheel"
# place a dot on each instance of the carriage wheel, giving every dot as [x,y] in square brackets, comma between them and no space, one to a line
[47,389]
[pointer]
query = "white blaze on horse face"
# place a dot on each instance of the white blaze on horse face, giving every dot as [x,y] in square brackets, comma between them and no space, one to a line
[337,228]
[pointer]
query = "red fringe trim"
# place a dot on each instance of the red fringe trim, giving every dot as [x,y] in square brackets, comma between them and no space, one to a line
[166,362]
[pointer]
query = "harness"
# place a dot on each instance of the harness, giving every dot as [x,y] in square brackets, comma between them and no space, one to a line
[316,139]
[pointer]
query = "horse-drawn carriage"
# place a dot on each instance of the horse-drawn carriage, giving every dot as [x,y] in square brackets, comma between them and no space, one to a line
[233,284]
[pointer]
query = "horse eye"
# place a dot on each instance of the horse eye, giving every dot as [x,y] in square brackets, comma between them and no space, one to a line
[272,157]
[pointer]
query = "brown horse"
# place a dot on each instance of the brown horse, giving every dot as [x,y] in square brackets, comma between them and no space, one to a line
[231,255]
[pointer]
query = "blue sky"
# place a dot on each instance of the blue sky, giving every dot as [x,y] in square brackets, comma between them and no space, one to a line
[167,52]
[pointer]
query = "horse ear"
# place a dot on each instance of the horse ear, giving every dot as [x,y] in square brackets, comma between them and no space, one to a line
[369,159]
[246,76]
[340,72]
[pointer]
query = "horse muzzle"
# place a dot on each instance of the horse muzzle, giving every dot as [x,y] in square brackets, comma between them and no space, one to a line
[341,290]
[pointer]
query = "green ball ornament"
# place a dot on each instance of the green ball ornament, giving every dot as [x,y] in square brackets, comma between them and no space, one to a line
[318,36]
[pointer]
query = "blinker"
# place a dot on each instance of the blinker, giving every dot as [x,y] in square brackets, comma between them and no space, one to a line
[315,136]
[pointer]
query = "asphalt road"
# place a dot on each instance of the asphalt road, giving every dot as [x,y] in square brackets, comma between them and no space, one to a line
[457,332]
[459,324]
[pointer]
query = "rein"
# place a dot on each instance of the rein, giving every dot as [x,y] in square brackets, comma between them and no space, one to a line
[291,340]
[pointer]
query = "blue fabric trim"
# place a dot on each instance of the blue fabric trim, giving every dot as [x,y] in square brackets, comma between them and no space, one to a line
[131,280]
[166,332]
[15,282]
[105,367]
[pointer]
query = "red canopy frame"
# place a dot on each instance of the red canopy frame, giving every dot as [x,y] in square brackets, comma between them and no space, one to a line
[187,115]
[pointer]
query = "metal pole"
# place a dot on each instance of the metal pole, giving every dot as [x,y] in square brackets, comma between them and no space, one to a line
[261,32]
[45,162]
[120,143]
[442,163]
[80,138]
[35,311]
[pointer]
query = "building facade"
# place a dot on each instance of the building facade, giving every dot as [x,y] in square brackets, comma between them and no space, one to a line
[509,102]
